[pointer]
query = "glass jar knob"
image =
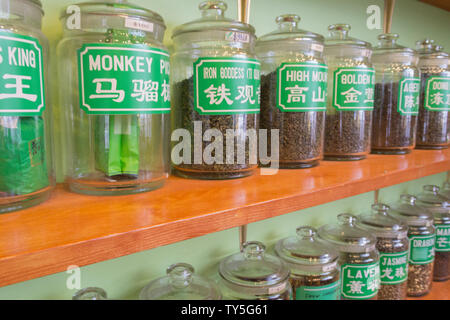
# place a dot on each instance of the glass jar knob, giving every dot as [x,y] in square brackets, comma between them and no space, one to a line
[408,199]
[254,250]
[346,219]
[180,275]
[288,22]
[380,208]
[388,40]
[90,293]
[306,233]
[339,30]
[431,189]
[213,9]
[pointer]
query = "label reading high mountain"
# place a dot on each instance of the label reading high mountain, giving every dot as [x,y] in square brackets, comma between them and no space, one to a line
[421,249]
[408,99]
[437,93]
[360,281]
[442,238]
[393,267]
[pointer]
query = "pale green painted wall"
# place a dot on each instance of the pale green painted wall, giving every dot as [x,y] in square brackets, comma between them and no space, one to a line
[124,277]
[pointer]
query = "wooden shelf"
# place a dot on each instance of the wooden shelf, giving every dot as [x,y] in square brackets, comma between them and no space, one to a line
[77,229]
[439,291]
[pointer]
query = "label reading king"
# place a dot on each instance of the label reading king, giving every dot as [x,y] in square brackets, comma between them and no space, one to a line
[123,79]
[328,292]
[302,87]
[353,89]
[437,94]
[421,249]
[442,238]
[227,86]
[393,267]
[360,281]
[408,99]
[22,80]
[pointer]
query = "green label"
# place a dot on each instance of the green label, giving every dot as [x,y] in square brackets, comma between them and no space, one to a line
[328,292]
[123,79]
[225,85]
[393,267]
[302,87]
[22,80]
[421,249]
[408,99]
[442,238]
[353,89]
[437,94]
[360,281]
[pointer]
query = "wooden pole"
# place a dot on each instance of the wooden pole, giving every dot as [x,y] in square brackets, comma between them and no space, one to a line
[388,13]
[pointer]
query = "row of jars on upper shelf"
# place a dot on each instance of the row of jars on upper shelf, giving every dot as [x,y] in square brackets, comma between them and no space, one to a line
[221,105]
[387,254]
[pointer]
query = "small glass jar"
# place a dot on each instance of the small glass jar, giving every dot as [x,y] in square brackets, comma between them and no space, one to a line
[215,97]
[313,264]
[351,84]
[181,283]
[397,88]
[254,275]
[114,75]
[293,92]
[421,235]
[90,293]
[445,190]
[439,206]
[359,258]
[26,171]
[393,246]
[433,125]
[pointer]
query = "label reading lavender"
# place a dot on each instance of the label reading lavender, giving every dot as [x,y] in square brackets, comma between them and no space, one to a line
[360,281]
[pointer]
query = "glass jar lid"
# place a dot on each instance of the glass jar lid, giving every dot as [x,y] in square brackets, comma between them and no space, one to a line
[436,203]
[346,236]
[181,283]
[428,48]
[381,224]
[338,36]
[409,212]
[445,190]
[90,293]
[307,253]
[389,50]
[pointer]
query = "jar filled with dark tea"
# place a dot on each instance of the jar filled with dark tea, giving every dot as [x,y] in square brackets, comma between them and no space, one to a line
[115,96]
[421,244]
[397,87]
[358,258]
[351,84]
[433,125]
[26,171]
[254,275]
[181,283]
[313,264]
[439,206]
[393,246]
[215,97]
[90,293]
[293,92]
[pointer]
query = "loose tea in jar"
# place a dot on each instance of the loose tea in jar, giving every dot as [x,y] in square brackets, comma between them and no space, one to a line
[313,265]
[293,92]
[393,246]
[358,258]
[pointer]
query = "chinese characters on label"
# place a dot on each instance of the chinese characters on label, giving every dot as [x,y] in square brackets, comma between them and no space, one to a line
[408,99]
[421,249]
[437,94]
[393,267]
[360,281]
[353,89]
[442,238]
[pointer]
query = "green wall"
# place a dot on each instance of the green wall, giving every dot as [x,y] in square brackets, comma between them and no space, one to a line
[123,277]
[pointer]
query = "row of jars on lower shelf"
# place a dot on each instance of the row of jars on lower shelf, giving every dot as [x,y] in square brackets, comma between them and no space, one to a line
[387,254]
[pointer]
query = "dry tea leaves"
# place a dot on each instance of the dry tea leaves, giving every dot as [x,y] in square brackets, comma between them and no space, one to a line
[420,277]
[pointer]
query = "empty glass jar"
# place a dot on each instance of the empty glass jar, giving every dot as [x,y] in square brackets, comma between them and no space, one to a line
[26,172]
[114,76]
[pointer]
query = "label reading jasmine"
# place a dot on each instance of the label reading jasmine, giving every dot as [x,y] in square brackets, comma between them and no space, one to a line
[224,85]
[442,238]
[360,281]
[123,79]
[328,292]
[302,87]
[421,249]
[437,93]
[393,267]
[22,80]
[353,89]
[408,99]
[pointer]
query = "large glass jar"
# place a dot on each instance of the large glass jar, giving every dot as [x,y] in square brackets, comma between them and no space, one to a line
[254,275]
[26,174]
[421,237]
[350,100]
[180,283]
[397,88]
[393,246]
[90,293]
[215,97]
[114,90]
[359,258]
[293,92]
[433,125]
[313,265]
[439,206]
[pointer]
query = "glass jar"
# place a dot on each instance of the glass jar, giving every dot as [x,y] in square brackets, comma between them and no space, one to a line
[351,84]
[359,258]
[393,246]
[90,293]
[215,97]
[445,190]
[397,86]
[181,283]
[421,237]
[26,169]
[293,92]
[254,275]
[439,206]
[115,96]
[433,126]
[313,265]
